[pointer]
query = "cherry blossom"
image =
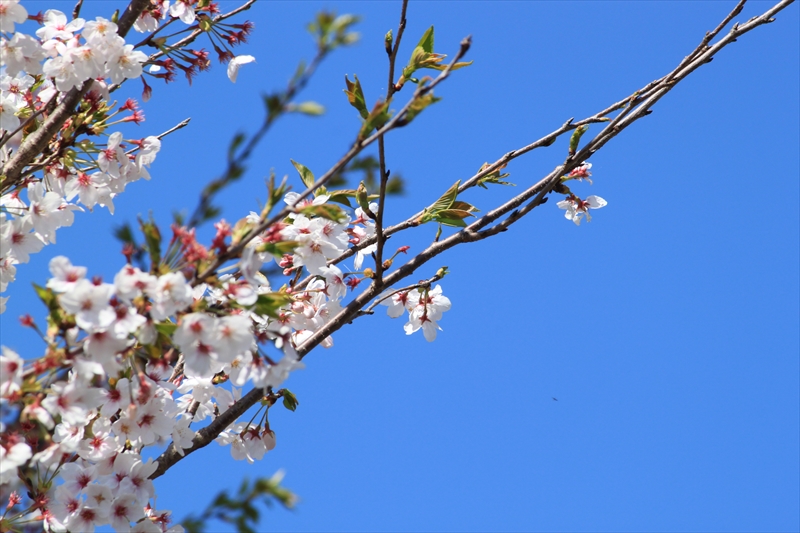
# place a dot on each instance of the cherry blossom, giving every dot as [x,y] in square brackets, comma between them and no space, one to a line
[11,13]
[576,208]
[10,372]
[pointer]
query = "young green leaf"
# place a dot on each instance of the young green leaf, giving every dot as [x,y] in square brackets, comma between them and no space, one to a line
[290,400]
[356,96]
[417,105]
[152,238]
[446,200]
[278,249]
[426,41]
[47,296]
[165,328]
[376,118]
[327,211]
[269,303]
[306,175]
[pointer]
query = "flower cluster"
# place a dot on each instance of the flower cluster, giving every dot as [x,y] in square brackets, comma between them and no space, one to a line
[576,208]
[135,363]
[424,305]
[37,72]
[104,397]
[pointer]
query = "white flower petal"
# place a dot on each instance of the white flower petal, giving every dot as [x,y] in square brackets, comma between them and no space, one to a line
[235,63]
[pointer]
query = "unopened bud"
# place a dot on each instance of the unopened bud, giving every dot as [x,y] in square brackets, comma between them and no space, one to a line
[387,42]
[387,264]
[368,273]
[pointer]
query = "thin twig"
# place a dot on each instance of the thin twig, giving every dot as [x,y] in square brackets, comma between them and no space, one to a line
[182,124]
[390,90]
[76,11]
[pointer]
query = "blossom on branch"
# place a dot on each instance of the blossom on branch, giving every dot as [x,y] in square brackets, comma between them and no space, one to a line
[577,208]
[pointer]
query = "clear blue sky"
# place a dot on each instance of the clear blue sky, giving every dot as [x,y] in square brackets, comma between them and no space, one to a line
[668,328]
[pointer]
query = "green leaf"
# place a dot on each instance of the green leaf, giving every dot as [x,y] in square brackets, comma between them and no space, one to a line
[236,142]
[298,73]
[455,222]
[152,238]
[327,211]
[341,197]
[356,96]
[273,104]
[376,118]
[426,41]
[278,249]
[417,105]
[457,66]
[269,303]
[447,199]
[165,328]
[275,194]
[47,296]
[453,214]
[306,175]
[290,400]
[396,185]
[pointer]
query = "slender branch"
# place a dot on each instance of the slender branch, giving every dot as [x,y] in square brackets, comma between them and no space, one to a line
[197,32]
[390,90]
[182,124]
[476,230]
[76,11]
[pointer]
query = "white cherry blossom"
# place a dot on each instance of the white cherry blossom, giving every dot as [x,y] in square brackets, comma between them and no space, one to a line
[577,208]
[11,12]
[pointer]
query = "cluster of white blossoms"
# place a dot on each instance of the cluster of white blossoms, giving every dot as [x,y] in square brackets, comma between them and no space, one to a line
[424,305]
[135,363]
[37,71]
[26,227]
[104,410]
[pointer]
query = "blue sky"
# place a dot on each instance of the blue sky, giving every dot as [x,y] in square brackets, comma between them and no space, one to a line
[668,328]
